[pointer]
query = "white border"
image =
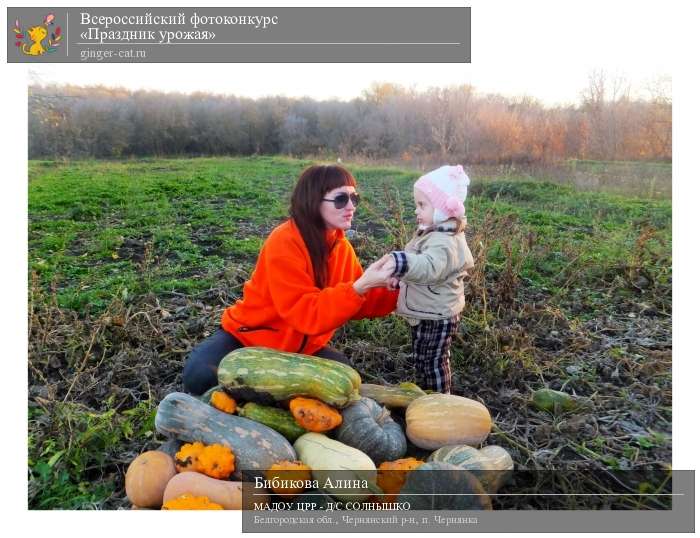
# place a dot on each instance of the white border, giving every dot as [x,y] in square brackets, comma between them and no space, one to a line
[14,281]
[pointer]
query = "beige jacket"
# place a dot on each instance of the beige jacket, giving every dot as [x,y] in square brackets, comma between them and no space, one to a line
[431,269]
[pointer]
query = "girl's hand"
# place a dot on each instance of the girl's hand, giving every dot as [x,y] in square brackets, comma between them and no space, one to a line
[376,275]
[392,284]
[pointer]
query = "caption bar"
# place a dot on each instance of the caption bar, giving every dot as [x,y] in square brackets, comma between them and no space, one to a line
[597,500]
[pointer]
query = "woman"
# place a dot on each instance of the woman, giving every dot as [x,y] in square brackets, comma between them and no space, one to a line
[307,282]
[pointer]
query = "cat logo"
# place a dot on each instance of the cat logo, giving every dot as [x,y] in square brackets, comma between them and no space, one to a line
[31,42]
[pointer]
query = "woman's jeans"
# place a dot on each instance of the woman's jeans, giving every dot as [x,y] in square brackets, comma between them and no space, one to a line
[202,364]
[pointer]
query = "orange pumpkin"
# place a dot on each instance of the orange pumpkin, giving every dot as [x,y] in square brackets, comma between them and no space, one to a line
[187,458]
[314,415]
[223,402]
[190,502]
[288,471]
[217,461]
[147,477]
[391,476]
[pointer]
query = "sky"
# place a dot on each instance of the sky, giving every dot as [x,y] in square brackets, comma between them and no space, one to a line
[542,49]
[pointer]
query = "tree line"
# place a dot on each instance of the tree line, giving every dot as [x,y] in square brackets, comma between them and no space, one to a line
[386,121]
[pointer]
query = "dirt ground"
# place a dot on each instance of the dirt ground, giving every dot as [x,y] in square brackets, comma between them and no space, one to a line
[618,364]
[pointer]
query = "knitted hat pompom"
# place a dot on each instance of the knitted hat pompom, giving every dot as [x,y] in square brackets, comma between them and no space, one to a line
[446,188]
[454,207]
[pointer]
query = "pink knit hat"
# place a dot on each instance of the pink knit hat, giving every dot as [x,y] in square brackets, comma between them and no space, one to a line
[446,188]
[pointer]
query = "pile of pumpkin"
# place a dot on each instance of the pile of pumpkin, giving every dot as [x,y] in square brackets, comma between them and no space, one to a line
[305,415]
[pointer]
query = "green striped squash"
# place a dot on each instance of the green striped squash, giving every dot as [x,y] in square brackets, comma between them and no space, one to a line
[460,455]
[278,419]
[266,376]
[492,465]
[553,401]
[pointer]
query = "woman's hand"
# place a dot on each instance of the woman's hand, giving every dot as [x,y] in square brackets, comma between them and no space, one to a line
[376,275]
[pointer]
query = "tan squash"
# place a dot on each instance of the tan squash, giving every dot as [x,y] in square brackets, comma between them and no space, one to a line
[147,477]
[333,464]
[437,420]
[224,492]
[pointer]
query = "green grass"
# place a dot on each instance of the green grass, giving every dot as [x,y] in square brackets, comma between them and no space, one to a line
[637,164]
[72,471]
[583,233]
[101,232]
[101,229]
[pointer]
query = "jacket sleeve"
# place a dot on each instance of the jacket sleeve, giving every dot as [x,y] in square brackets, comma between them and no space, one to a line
[306,308]
[378,302]
[469,264]
[429,267]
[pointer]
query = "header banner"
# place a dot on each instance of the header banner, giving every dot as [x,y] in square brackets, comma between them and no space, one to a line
[239,35]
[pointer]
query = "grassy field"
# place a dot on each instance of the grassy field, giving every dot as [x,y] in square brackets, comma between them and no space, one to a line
[131,264]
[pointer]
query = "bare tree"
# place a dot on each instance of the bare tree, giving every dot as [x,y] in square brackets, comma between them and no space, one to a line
[456,124]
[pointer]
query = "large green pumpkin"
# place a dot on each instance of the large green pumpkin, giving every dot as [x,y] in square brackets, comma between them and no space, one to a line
[266,376]
[442,486]
[369,427]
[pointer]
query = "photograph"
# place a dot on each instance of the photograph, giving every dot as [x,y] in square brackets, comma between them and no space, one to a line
[285,288]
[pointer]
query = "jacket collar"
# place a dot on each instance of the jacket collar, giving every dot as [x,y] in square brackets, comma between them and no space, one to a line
[450,225]
[333,236]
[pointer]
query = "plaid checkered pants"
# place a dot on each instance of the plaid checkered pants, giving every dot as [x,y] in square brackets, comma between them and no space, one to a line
[431,352]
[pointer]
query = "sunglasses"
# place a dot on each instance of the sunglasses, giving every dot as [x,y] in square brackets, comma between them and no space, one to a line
[342,199]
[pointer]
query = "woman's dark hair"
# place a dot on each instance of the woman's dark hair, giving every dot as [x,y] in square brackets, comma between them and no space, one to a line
[305,210]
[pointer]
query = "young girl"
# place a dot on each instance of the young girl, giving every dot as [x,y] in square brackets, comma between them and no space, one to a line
[431,269]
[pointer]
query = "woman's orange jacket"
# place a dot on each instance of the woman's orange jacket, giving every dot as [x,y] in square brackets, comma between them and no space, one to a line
[283,309]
